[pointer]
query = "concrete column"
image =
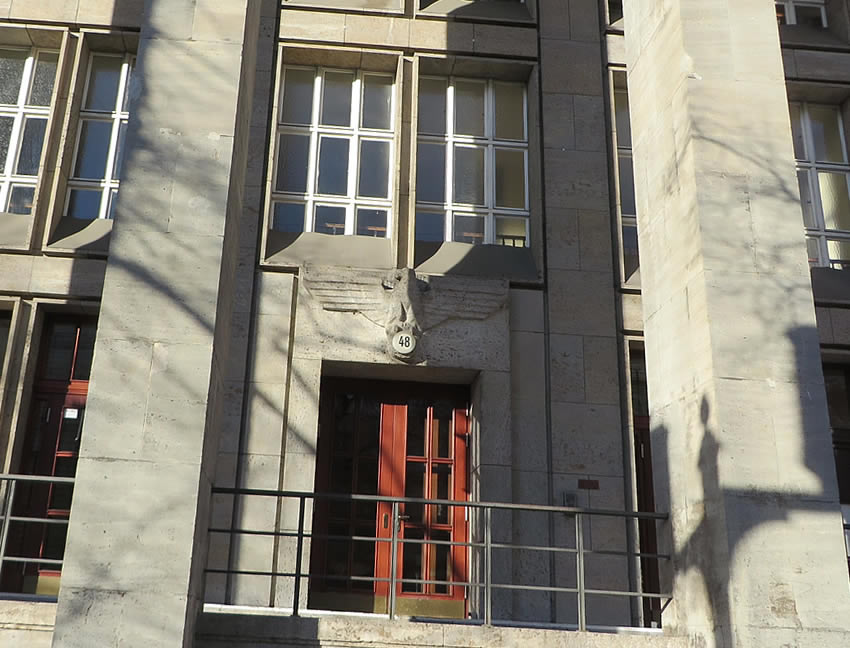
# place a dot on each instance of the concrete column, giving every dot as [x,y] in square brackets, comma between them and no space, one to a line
[741,439]
[138,532]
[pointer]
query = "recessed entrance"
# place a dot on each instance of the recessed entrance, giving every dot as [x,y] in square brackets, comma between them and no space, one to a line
[395,440]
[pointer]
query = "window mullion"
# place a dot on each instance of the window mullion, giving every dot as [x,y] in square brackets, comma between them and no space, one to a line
[450,152]
[26,79]
[110,165]
[313,154]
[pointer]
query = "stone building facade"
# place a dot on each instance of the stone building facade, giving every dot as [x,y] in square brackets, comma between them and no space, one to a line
[273,271]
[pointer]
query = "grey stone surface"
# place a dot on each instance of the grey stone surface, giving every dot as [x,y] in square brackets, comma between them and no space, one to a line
[740,430]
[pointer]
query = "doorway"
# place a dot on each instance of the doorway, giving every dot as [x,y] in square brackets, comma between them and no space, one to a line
[395,440]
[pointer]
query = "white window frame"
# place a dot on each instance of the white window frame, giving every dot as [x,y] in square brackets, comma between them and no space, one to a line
[119,117]
[355,134]
[819,233]
[20,112]
[489,143]
[791,10]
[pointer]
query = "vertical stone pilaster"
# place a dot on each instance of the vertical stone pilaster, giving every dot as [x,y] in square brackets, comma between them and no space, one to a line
[741,438]
[138,532]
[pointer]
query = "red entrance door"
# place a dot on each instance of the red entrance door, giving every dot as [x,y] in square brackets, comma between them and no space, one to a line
[51,448]
[396,440]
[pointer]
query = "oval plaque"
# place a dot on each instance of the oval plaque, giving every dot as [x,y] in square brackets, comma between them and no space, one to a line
[403,343]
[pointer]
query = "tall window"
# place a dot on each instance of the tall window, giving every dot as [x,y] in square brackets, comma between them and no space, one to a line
[5,328]
[628,208]
[808,12]
[100,138]
[26,87]
[472,162]
[837,380]
[334,153]
[823,173]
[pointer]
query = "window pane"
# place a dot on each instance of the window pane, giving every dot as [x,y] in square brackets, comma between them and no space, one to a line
[333,166]
[372,222]
[510,114]
[6,124]
[469,108]
[113,200]
[85,351]
[839,254]
[125,100]
[806,199]
[431,172]
[511,232]
[84,204]
[631,259]
[835,200]
[797,131]
[510,178]
[432,106]
[31,144]
[43,79]
[293,152]
[93,149]
[780,14]
[621,110]
[809,16]
[336,99]
[103,83]
[813,249]
[469,229]
[330,220]
[20,199]
[377,101]
[288,217]
[430,226]
[469,175]
[826,134]
[5,327]
[627,186]
[119,153]
[11,73]
[374,169]
[298,96]
[60,351]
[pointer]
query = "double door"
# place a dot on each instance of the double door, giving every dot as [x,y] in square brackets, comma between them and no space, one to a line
[395,440]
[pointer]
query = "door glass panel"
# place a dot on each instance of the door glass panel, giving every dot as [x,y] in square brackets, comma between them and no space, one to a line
[440,555]
[61,493]
[337,555]
[363,558]
[369,428]
[412,560]
[414,486]
[441,440]
[367,477]
[54,543]
[441,478]
[71,425]
[416,428]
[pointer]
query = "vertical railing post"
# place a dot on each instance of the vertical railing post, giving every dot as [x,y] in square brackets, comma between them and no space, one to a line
[488,566]
[7,513]
[299,551]
[393,559]
[582,622]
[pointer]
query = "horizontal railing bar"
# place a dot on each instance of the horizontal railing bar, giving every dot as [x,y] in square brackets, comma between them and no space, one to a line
[508,506]
[22,559]
[36,478]
[501,545]
[35,520]
[627,554]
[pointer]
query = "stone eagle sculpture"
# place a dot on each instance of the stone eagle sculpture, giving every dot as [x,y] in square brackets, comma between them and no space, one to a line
[402,302]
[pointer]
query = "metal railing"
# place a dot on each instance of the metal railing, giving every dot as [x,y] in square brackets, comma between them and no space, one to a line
[19,525]
[482,547]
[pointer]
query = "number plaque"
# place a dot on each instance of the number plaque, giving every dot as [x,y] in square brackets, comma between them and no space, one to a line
[404,343]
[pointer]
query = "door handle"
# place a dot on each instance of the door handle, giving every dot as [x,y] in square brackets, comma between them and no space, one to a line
[386,521]
[400,518]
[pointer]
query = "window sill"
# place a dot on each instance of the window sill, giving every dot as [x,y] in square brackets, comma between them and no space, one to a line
[76,235]
[515,264]
[293,250]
